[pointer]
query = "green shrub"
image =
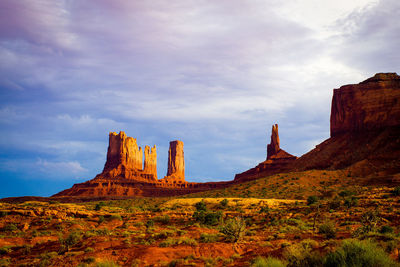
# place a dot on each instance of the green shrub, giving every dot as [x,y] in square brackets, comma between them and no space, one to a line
[72,239]
[149,223]
[10,227]
[328,230]
[224,203]
[5,250]
[386,229]
[115,217]
[89,260]
[89,249]
[351,202]
[369,220]
[208,238]
[346,193]
[303,255]
[207,217]
[99,205]
[107,264]
[311,200]
[180,241]
[396,191]
[201,206]
[267,262]
[163,219]
[234,229]
[334,204]
[358,253]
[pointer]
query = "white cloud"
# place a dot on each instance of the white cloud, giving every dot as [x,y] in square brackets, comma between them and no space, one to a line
[64,168]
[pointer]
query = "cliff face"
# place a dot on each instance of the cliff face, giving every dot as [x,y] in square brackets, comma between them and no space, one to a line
[365,131]
[371,105]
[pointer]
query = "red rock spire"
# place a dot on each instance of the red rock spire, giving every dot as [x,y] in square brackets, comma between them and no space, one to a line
[273,148]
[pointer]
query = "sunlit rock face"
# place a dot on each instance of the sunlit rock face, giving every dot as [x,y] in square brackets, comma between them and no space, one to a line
[125,176]
[371,105]
[176,161]
[125,159]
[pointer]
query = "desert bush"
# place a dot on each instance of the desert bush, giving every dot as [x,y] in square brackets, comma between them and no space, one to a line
[89,260]
[311,200]
[71,240]
[303,254]
[10,227]
[351,202]
[89,249]
[224,203]
[149,223]
[369,220]
[5,250]
[164,234]
[208,238]
[346,193]
[267,262]
[207,217]
[99,205]
[201,206]
[334,204]
[115,217]
[396,191]
[163,219]
[328,230]
[358,253]
[107,264]
[234,229]
[178,241]
[264,209]
[386,229]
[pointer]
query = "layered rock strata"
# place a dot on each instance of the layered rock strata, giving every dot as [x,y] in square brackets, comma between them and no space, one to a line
[277,160]
[371,105]
[365,131]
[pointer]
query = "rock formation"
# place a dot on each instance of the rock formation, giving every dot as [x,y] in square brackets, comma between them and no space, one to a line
[176,161]
[123,175]
[150,160]
[365,141]
[365,131]
[273,147]
[277,160]
[125,159]
[370,105]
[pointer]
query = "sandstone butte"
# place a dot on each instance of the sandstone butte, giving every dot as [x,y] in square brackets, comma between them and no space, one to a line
[365,139]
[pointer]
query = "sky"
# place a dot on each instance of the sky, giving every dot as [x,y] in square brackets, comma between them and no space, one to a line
[214,74]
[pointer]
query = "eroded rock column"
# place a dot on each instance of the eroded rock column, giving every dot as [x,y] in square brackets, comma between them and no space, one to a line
[273,148]
[176,162]
[150,161]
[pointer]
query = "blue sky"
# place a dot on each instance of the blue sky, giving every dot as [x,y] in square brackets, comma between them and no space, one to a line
[214,74]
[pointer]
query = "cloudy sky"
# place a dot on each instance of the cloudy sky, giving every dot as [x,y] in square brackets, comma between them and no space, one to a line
[214,74]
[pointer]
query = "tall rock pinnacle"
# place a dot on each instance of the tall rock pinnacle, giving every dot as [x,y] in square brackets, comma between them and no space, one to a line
[273,148]
[150,160]
[176,161]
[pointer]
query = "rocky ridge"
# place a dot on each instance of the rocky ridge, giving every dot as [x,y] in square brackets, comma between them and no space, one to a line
[365,140]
